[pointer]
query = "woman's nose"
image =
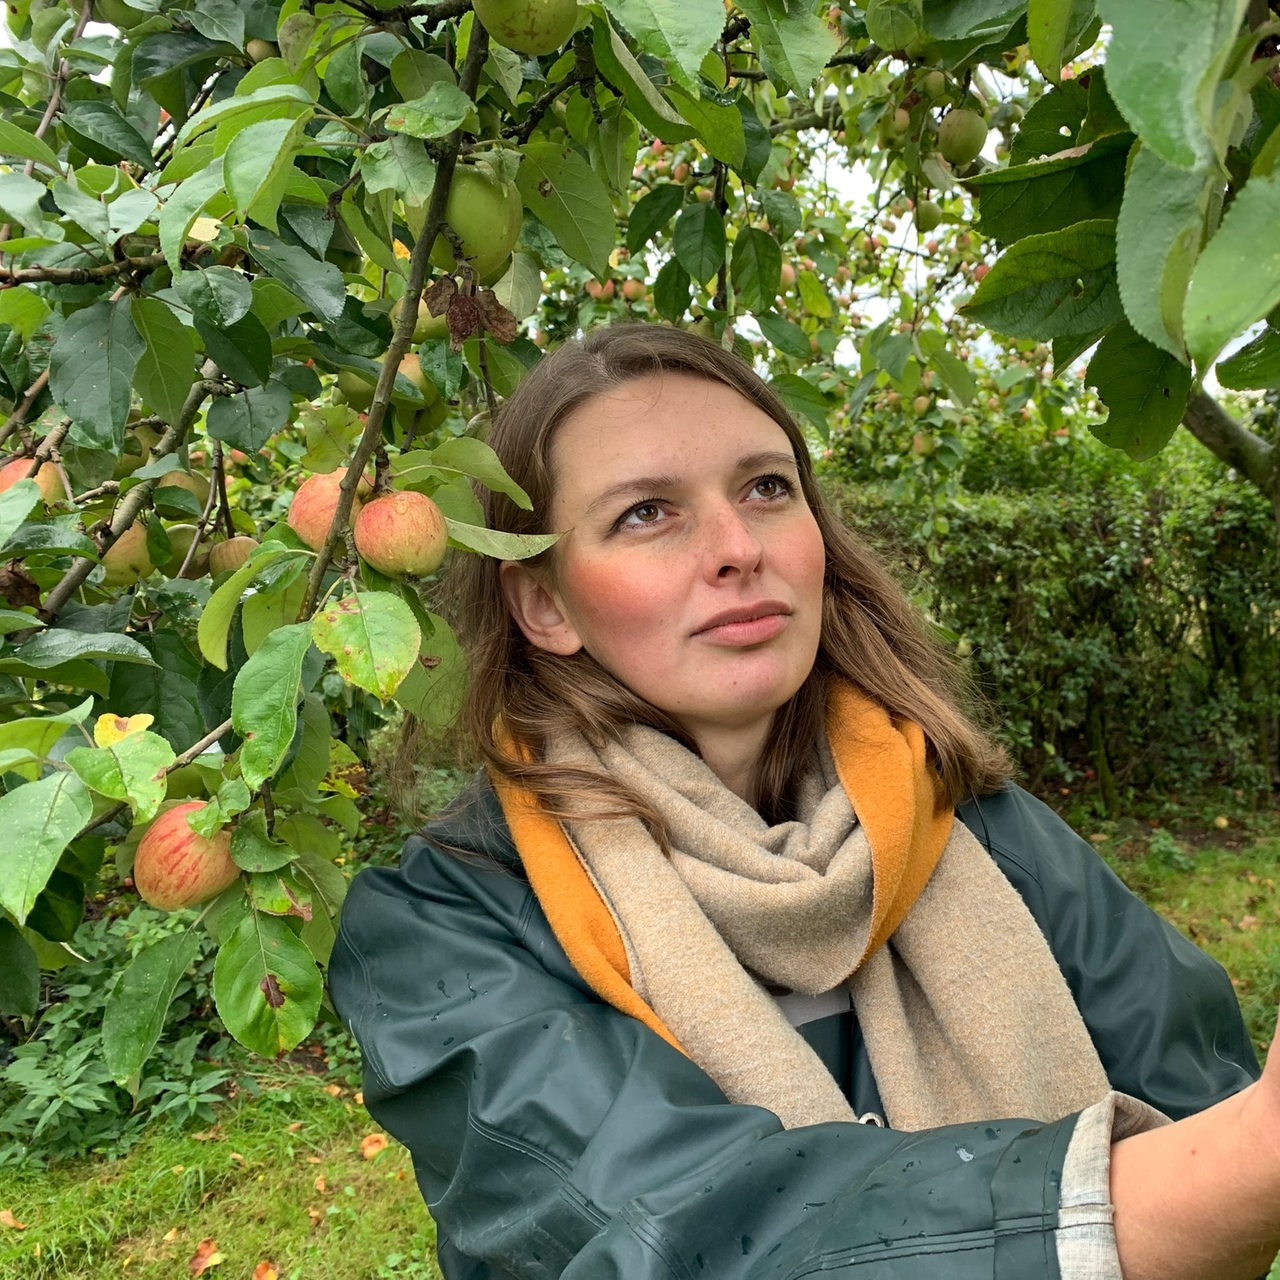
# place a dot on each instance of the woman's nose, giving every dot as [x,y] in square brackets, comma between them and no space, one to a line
[732,544]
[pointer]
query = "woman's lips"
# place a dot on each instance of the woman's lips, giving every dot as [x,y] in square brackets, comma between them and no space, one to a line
[746,626]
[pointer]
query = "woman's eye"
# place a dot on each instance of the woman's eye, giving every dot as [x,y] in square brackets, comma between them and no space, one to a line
[772,487]
[642,513]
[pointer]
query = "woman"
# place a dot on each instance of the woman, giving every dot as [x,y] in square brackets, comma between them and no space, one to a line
[741,959]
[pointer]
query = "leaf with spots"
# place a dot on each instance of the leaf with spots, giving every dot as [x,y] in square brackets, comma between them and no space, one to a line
[266,985]
[373,636]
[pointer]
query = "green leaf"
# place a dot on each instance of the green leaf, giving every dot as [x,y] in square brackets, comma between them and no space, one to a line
[1144,388]
[502,546]
[613,144]
[757,269]
[39,819]
[618,65]
[241,350]
[248,420]
[91,370]
[274,605]
[813,295]
[784,334]
[1234,283]
[266,985]
[720,127]
[257,164]
[1256,366]
[433,689]
[20,198]
[104,134]
[166,364]
[245,108]
[219,20]
[893,24]
[37,734]
[671,291]
[373,637]
[136,1008]
[216,295]
[783,212]
[19,974]
[1163,65]
[16,141]
[253,848]
[318,284]
[264,701]
[677,32]
[1081,185]
[215,622]
[955,376]
[132,769]
[699,240]
[562,190]
[793,41]
[399,165]
[804,400]
[1048,285]
[60,644]
[166,691]
[466,456]
[327,886]
[1158,236]
[439,111]
[651,213]
[183,207]
[1048,22]
[16,504]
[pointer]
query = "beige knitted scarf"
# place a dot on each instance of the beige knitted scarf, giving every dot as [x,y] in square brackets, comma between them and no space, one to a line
[963,1010]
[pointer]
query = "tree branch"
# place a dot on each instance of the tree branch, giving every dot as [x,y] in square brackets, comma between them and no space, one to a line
[1233,443]
[19,414]
[402,338]
[10,276]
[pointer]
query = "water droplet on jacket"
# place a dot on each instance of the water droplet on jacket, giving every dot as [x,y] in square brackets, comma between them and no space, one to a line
[991,1134]
[442,989]
[964,1153]
[747,1244]
[449,1041]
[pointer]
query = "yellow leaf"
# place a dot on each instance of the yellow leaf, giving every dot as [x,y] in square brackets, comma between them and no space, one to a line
[8,1220]
[109,729]
[265,1271]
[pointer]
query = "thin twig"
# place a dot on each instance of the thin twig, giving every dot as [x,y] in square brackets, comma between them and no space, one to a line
[19,415]
[10,276]
[477,52]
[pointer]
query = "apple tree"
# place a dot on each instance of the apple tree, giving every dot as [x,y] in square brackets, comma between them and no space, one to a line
[264,268]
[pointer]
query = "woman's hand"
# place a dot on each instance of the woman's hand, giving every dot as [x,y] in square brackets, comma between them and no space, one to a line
[1200,1199]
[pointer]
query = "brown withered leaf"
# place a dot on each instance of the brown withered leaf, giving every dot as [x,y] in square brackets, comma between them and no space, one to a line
[17,586]
[205,1256]
[465,320]
[498,321]
[8,1220]
[373,1145]
[439,294]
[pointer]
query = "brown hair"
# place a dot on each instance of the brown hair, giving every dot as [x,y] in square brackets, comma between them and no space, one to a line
[871,634]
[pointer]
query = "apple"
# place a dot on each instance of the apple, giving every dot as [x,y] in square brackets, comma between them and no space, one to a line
[980,272]
[928,214]
[356,388]
[529,26]
[192,483]
[127,559]
[46,478]
[181,536]
[259,49]
[634,290]
[402,532]
[411,369]
[934,84]
[961,136]
[486,214]
[231,554]
[311,512]
[921,404]
[174,867]
[426,326]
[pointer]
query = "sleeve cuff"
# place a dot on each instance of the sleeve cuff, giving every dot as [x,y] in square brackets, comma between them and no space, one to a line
[1085,1236]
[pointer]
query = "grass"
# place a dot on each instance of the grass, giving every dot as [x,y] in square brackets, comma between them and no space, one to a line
[282,1179]
[281,1186]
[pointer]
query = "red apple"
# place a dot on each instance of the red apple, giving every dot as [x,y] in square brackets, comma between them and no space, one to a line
[311,512]
[402,532]
[174,867]
[47,477]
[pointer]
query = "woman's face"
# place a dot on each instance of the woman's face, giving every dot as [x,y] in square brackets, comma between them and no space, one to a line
[691,567]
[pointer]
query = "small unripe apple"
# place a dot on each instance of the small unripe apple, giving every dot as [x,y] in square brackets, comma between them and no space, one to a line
[224,557]
[934,84]
[787,276]
[259,49]
[921,404]
[486,214]
[174,867]
[311,512]
[402,532]
[127,558]
[47,477]
[529,26]
[425,327]
[961,136]
[980,272]
[634,290]
[928,215]
[356,389]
